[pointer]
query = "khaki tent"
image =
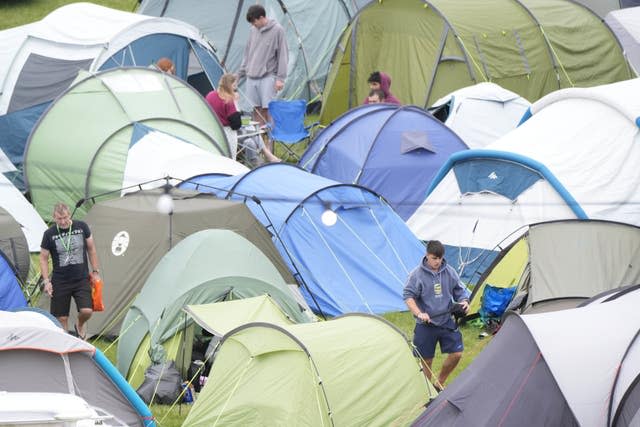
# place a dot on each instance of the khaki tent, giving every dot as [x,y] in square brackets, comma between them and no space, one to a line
[354,370]
[431,48]
[560,264]
[132,236]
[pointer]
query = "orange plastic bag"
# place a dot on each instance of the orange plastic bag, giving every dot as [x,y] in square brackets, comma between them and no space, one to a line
[96,292]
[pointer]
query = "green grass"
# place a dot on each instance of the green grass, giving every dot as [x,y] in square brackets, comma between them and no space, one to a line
[20,12]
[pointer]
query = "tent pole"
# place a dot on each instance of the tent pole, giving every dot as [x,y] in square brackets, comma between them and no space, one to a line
[297,274]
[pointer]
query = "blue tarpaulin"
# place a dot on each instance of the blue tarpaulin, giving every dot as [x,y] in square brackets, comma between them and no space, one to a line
[11,295]
[359,264]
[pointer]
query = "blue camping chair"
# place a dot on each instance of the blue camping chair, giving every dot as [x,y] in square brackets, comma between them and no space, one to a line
[287,127]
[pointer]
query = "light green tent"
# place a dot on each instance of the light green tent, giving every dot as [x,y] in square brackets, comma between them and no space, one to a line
[222,317]
[354,370]
[79,147]
[431,48]
[207,266]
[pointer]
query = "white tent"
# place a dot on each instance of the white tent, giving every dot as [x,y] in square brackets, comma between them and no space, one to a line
[12,200]
[77,36]
[576,156]
[39,61]
[482,113]
[625,23]
[602,7]
[154,155]
[37,355]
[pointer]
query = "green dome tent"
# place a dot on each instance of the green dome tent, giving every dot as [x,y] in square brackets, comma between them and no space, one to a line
[205,267]
[355,370]
[431,48]
[79,148]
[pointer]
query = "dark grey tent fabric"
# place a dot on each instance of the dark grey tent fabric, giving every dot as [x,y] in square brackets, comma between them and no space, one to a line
[508,384]
[13,244]
[629,411]
[132,236]
[162,383]
[41,371]
[42,79]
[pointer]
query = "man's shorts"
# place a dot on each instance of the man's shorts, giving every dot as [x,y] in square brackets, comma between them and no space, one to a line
[261,91]
[425,338]
[62,293]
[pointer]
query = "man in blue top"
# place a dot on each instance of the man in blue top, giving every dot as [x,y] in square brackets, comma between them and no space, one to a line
[431,291]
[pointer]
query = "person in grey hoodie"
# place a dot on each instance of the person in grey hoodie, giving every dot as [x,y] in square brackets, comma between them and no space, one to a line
[264,62]
[431,291]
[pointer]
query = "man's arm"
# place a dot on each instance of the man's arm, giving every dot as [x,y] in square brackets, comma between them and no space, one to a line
[415,310]
[283,61]
[460,293]
[93,255]
[44,271]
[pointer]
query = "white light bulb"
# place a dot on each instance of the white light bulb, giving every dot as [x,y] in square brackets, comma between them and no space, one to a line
[329,217]
[165,204]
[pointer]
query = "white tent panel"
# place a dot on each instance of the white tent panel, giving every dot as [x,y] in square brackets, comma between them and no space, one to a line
[567,340]
[158,155]
[482,113]
[483,220]
[79,31]
[12,200]
[591,145]
[625,23]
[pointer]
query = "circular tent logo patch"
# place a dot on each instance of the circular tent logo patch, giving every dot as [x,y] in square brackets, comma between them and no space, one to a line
[120,243]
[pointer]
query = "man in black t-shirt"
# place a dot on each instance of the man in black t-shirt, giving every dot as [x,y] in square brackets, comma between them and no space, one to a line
[68,242]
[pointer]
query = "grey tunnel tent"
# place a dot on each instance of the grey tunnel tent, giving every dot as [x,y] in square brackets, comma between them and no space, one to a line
[551,369]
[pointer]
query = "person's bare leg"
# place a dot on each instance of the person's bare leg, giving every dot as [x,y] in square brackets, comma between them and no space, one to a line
[448,366]
[261,115]
[269,156]
[426,368]
[83,316]
[64,321]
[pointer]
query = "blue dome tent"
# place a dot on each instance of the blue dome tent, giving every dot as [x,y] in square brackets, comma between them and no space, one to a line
[393,150]
[358,264]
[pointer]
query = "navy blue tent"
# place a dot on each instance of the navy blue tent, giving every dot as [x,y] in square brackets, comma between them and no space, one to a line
[358,264]
[11,295]
[393,150]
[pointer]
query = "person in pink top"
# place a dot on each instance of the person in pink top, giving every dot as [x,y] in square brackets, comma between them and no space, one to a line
[382,81]
[223,104]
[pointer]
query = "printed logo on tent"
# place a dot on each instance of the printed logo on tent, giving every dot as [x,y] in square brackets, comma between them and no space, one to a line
[120,243]
[493,175]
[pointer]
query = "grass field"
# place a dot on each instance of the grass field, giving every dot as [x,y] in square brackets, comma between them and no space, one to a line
[19,12]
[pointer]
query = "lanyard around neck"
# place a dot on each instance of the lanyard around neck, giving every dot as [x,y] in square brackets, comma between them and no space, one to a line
[67,246]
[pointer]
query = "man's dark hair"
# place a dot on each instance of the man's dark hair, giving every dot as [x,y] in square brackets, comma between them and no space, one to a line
[374,77]
[255,12]
[435,248]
